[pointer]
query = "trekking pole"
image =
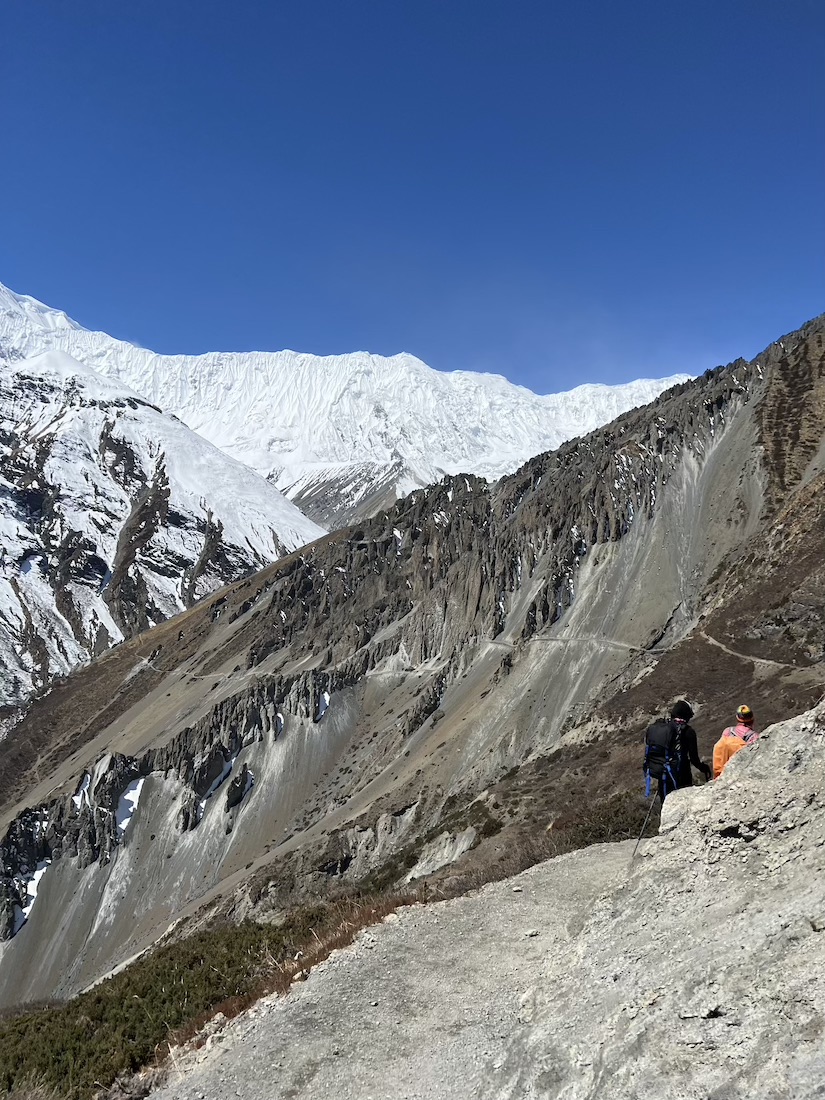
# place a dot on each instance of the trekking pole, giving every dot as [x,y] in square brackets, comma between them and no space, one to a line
[647,818]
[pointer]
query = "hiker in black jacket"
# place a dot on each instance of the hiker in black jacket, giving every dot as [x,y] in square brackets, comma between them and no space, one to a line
[681,713]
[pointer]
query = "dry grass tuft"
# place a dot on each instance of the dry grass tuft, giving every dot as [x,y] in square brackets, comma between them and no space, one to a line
[346,918]
[35,1088]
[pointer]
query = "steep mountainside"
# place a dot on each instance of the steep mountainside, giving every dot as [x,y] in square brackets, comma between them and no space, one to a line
[696,970]
[420,693]
[342,435]
[113,517]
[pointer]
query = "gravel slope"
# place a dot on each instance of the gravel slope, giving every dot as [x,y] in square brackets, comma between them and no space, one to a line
[695,971]
[424,1005]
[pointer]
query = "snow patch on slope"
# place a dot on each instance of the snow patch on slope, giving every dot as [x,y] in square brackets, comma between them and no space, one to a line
[128,803]
[28,890]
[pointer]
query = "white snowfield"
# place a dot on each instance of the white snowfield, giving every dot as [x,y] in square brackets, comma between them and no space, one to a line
[79,457]
[299,418]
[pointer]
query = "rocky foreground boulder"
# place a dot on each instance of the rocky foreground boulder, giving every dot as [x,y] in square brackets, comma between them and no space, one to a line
[695,969]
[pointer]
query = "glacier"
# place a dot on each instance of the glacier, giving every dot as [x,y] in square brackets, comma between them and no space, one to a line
[365,427]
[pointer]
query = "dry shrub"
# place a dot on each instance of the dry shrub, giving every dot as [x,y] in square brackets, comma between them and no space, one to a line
[35,1088]
[619,817]
[344,919]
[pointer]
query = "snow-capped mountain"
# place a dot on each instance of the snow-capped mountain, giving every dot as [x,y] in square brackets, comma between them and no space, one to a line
[420,696]
[342,435]
[113,517]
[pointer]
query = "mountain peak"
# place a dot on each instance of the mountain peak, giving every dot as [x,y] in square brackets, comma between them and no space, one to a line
[342,435]
[29,311]
[114,517]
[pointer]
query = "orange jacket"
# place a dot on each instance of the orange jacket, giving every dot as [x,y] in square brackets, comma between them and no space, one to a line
[726,747]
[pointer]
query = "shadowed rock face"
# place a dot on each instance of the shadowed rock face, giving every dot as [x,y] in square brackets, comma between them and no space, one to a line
[379,685]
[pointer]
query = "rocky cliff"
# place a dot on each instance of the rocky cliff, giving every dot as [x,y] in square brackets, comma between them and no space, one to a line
[430,685]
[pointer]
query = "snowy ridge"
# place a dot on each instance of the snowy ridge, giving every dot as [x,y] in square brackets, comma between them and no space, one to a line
[289,415]
[113,517]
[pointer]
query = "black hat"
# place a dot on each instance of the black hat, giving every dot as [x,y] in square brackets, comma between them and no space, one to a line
[682,710]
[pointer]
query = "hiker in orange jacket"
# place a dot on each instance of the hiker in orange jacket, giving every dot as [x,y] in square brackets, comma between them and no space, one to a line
[733,739]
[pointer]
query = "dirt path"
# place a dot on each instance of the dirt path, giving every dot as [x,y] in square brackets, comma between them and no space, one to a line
[425,1005]
[760,662]
[696,970]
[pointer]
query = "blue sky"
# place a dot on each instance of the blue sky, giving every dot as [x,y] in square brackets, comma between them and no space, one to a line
[559,192]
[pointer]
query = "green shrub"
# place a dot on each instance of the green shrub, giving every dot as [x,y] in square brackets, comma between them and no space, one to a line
[129,1020]
[619,817]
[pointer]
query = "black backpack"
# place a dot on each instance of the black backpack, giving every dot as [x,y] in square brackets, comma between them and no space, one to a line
[662,757]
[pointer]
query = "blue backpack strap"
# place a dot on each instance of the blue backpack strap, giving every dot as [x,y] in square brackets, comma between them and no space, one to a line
[671,776]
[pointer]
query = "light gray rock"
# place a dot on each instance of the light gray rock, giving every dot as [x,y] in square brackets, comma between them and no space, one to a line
[696,970]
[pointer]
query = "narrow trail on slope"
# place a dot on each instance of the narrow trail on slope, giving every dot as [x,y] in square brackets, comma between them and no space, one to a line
[763,662]
[569,640]
[654,651]
[567,979]
[609,642]
[363,1024]
[544,639]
